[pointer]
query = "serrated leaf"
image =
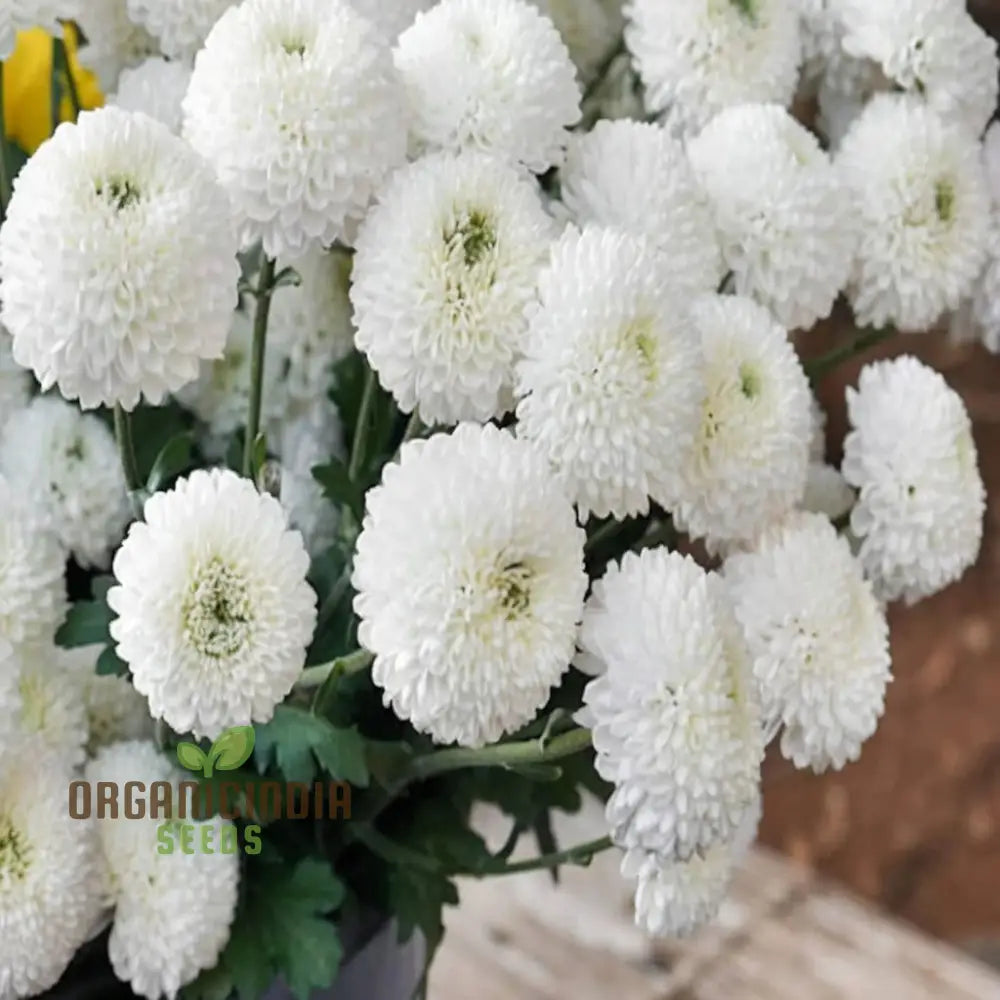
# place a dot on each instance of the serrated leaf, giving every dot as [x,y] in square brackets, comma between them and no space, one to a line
[339,487]
[86,624]
[300,743]
[173,459]
[110,664]
[191,756]
[233,748]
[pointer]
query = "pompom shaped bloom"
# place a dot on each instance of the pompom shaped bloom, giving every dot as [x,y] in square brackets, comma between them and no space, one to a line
[51,875]
[675,719]
[391,17]
[609,385]
[470,583]
[66,464]
[910,453]
[492,75]
[929,47]
[918,187]
[103,325]
[446,264]
[696,57]
[771,188]
[633,176]
[17,15]
[32,585]
[214,612]
[114,40]
[818,638]
[295,106]
[173,912]
[749,463]
[179,26]
[676,898]
[15,382]
[155,87]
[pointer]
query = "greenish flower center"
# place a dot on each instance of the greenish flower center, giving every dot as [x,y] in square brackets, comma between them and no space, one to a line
[217,612]
[475,234]
[514,586]
[747,9]
[749,382]
[944,200]
[119,192]
[15,851]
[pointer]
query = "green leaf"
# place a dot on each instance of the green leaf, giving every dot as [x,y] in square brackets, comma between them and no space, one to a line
[110,664]
[191,756]
[417,899]
[86,625]
[339,487]
[233,748]
[100,586]
[174,458]
[300,743]
[287,276]
[153,427]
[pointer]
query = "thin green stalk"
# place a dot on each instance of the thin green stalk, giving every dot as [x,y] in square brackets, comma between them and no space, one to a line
[265,287]
[580,854]
[6,170]
[414,427]
[343,666]
[500,755]
[863,340]
[126,452]
[604,533]
[62,78]
[360,443]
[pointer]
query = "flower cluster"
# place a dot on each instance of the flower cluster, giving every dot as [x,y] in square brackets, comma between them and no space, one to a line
[365,370]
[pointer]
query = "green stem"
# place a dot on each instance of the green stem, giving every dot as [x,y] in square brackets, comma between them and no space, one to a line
[600,74]
[343,666]
[6,170]
[414,427]
[663,533]
[580,854]
[126,452]
[265,286]
[608,530]
[500,755]
[863,340]
[61,74]
[359,445]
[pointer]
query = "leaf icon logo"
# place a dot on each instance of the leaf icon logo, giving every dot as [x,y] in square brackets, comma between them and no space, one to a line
[230,751]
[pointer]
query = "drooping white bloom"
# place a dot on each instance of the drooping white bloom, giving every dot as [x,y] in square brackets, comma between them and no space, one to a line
[214,612]
[492,75]
[174,911]
[179,26]
[696,57]
[911,455]
[818,638]
[312,323]
[749,463]
[17,15]
[391,17]
[32,585]
[470,583]
[155,87]
[446,264]
[676,898]
[918,187]
[104,325]
[66,464]
[932,48]
[295,106]
[114,40]
[51,876]
[15,382]
[609,386]
[674,715]
[771,188]
[633,176]
[588,27]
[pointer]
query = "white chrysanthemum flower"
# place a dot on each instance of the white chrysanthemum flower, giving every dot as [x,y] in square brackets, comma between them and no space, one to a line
[911,455]
[676,898]
[15,382]
[214,612]
[470,583]
[634,176]
[675,719]
[818,638]
[157,88]
[52,705]
[114,40]
[51,875]
[588,27]
[17,15]
[696,57]
[929,47]
[173,912]
[105,325]
[492,75]
[32,584]
[66,464]
[918,188]
[179,26]
[749,463]
[296,107]
[446,264]
[312,438]
[312,322]
[609,386]
[391,17]
[771,188]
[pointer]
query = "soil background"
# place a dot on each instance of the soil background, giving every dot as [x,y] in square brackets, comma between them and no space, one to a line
[915,824]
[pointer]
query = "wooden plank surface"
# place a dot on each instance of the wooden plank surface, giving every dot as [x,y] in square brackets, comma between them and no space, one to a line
[782,935]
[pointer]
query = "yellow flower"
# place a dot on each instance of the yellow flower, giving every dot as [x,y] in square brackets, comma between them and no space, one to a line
[27,87]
